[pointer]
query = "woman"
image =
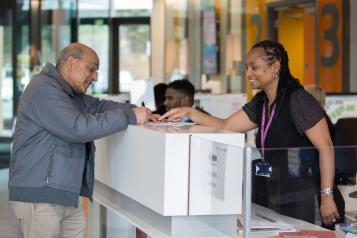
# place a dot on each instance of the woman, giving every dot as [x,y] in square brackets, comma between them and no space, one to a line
[290,117]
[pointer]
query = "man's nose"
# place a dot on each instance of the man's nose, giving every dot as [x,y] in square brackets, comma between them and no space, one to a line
[166,102]
[94,76]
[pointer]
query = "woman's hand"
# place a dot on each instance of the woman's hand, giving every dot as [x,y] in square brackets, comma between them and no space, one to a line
[176,114]
[328,210]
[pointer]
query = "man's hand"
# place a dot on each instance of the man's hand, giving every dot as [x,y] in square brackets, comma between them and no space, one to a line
[143,115]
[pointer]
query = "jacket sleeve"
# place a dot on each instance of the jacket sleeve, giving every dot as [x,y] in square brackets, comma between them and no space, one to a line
[54,111]
[94,104]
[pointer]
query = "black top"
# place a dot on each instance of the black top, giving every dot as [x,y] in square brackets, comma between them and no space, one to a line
[161,110]
[287,146]
[296,111]
[304,109]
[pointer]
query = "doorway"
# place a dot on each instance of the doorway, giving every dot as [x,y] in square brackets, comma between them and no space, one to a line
[131,52]
[294,25]
[321,41]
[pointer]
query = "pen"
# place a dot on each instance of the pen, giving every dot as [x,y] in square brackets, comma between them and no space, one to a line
[264,217]
[143,103]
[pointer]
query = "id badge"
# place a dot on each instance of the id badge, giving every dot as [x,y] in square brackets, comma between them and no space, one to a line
[263,168]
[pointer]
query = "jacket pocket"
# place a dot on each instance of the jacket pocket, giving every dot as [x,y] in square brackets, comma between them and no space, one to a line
[66,171]
[75,149]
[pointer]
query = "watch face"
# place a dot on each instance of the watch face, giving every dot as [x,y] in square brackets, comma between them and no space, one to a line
[326,191]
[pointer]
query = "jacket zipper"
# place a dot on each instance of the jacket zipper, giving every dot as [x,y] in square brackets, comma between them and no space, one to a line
[50,169]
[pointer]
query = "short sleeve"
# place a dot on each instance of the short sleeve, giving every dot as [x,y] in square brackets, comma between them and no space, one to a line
[250,108]
[306,111]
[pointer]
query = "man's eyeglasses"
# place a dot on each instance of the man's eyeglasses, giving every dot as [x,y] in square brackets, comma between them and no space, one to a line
[93,67]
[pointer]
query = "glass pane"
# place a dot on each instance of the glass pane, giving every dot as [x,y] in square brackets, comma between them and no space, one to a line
[22,42]
[56,28]
[288,182]
[91,8]
[292,184]
[125,8]
[134,54]
[97,37]
[6,82]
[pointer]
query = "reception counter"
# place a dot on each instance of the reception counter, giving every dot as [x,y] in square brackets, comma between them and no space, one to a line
[169,175]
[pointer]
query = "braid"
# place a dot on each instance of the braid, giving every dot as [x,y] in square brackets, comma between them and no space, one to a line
[275,51]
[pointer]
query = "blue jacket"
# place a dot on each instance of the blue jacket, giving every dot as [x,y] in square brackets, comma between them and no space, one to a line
[53,152]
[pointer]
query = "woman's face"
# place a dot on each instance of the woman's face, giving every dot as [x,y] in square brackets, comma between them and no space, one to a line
[259,73]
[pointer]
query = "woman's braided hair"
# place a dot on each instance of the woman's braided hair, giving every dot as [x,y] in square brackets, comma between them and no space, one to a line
[275,51]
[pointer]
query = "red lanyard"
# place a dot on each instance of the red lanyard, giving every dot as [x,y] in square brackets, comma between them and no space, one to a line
[264,131]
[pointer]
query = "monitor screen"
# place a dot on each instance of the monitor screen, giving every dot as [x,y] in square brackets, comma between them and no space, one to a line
[341,106]
[142,91]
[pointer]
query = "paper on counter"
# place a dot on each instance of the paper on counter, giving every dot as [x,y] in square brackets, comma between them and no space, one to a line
[170,123]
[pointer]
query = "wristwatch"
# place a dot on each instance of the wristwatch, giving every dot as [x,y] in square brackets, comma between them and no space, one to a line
[326,191]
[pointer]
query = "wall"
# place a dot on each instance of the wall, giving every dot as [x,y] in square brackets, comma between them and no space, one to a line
[157,41]
[291,31]
[353,45]
[309,46]
[1,64]
[330,44]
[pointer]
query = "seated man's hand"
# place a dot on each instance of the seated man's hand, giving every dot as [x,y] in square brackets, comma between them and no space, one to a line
[143,115]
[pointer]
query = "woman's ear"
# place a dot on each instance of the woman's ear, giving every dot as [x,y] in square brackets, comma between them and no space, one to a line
[276,66]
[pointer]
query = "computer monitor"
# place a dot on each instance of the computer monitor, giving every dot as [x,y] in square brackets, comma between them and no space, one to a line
[345,142]
[341,105]
[142,91]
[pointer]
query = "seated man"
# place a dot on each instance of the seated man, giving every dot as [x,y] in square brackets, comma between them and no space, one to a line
[180,93]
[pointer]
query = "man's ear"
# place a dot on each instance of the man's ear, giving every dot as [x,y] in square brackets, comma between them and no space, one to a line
[70,63]
[185,101]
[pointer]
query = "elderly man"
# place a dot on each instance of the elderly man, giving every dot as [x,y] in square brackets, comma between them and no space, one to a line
[52,162]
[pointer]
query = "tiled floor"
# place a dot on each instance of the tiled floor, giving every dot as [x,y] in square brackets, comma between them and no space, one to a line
[9,226]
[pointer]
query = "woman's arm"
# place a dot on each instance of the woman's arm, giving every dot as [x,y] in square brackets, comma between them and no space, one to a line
[238,121]
[320,137]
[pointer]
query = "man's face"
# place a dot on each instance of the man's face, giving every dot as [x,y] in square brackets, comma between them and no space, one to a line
[175,99]
[84,71]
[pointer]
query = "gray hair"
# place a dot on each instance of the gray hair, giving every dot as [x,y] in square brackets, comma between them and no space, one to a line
[75,52]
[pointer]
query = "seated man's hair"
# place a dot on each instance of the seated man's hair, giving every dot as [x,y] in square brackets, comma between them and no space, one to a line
[184,86]
[159,93]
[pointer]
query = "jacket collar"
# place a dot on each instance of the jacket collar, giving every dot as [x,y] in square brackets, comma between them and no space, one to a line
[51,71]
